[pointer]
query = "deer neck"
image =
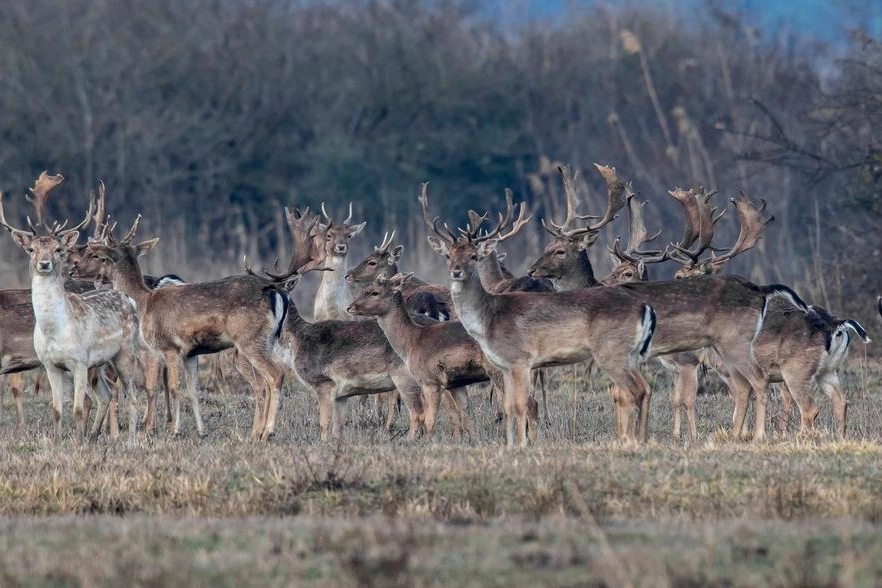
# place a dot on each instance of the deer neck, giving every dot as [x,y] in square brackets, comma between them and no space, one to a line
[128,279]
[398,326]
[490,271]
[333,296]
[579,275]
[472,302]
[52,308]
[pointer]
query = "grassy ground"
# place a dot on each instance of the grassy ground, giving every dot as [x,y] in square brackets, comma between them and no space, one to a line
[575,509]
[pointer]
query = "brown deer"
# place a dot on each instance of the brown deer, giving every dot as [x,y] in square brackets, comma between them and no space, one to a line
[441,356]
[723,313]
[424,299]
[74,332]
[333,294]
[518,331]
[796,349]
[182,322]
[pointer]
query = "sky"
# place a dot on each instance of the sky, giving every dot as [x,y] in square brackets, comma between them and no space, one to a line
[825,20]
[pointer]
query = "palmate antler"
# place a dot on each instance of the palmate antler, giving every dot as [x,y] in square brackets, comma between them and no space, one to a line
[44,184]
[638,236]
[700,221]
[615,202]
[432,223]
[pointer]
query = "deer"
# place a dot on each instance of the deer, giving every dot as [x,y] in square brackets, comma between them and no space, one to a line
[441,356]
[797,349]
[75,332]
[422,298]
[181,322]
[720,312]
[338,359]
[333,295]
[518,331]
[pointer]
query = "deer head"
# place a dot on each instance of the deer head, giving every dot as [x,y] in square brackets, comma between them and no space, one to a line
[568,248]
[48,252]
[378,298]
[337,235]
[384,259]
[752,226]
[632,261]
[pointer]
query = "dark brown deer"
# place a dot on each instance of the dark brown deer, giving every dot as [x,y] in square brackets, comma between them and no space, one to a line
[519,331]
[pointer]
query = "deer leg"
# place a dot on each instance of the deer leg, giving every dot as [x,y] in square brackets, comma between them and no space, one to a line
[461,397]
[412,395]
[739,387]
[518,382]
[81,388]
[391,404]
[341,413]
[152,370]
[539,379]
[56,385]
[191,378]
[131,377]
[433,396]
[786,406]
[829,384]
[272,377]
[325,394]
[99,394]
[686,389]
[258,391]
[174,364]
[168,402]
[453,411]
[15,387]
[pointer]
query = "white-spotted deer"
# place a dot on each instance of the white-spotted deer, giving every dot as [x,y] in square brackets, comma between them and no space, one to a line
[75,332]
[519,331]
[333,294]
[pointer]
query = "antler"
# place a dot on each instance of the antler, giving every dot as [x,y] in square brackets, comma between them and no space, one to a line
[750,218]
[346,222]
[100,211]
[637,234]
[504,219]
[615,197]
[308,255]
[432,223]
[6,225]
[42,186]
[386,243]
[700,222]
[564,229]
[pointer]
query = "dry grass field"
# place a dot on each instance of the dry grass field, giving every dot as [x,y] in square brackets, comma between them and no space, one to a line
[575,509]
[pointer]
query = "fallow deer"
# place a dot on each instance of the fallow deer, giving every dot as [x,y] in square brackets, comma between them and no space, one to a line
[184,321]
[521,330]
[75,332]
[420,297]
[723,313]
[333,294]
[441,356]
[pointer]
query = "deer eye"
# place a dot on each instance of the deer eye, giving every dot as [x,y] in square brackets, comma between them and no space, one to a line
[58,250]
[375,293]
[372,263]
[473,257]
[30,249]
[629,274]
[328,238]
[560,252]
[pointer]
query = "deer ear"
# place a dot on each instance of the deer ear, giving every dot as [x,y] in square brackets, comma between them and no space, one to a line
[146,247]
[22,239]
[356,229]
[588,240]
[395,253]
[398,281]
[438,245]
[485,248]
[641,270]
[70,239]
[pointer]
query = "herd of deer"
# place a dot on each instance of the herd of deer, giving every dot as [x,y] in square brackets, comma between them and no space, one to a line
[91,316]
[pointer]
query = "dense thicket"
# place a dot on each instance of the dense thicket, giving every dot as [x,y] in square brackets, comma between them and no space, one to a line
[207,115]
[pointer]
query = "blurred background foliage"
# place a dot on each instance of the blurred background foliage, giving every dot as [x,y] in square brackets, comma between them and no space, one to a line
[209,116]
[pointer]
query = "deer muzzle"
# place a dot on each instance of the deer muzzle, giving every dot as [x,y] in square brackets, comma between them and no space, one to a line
[44,266]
